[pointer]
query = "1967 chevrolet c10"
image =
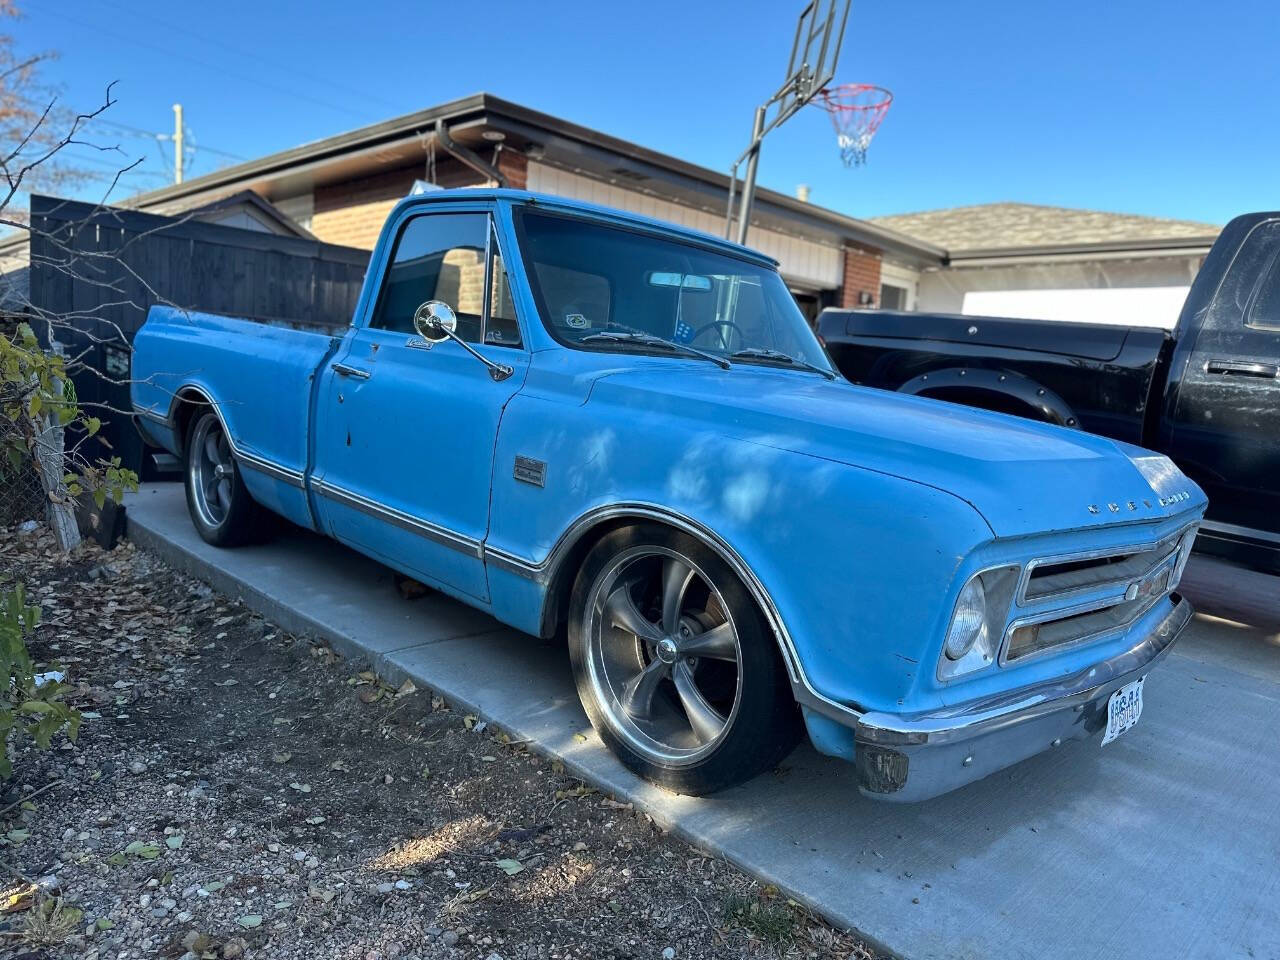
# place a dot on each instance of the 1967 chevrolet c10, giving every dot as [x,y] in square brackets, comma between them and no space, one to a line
[598,426]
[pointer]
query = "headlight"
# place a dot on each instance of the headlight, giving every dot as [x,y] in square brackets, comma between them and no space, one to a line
[969,620]
[977,623]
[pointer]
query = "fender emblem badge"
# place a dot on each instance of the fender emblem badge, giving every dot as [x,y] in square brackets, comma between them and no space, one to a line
[531,471]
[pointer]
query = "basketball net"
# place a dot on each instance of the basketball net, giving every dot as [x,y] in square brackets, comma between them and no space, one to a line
[856,110]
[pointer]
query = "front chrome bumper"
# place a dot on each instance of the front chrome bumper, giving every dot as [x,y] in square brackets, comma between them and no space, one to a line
[905,759]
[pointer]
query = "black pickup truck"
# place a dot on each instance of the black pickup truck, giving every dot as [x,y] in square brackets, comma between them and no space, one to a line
[1206,393]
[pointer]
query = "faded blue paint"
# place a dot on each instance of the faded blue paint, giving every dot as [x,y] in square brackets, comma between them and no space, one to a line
[861,513]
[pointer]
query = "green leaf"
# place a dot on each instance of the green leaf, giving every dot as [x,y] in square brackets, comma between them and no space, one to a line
[99,497]
[174,841]
[103,924]
[509,867]
[250,921]
[17,836]
[146,851]
[34,405]
[93,425]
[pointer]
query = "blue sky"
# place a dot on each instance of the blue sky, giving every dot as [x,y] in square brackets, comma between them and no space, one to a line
[1169,108]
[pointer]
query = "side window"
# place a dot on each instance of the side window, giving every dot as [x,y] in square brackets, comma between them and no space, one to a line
[502,328]
[1264,307]
[438,256]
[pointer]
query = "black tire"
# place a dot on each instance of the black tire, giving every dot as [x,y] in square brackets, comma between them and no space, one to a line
[226,516]
[761,722]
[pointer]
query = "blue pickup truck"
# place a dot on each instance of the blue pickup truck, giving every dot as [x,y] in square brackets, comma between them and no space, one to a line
[596,426]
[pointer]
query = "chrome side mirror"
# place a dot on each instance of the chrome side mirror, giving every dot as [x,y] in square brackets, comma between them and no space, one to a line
[435,321]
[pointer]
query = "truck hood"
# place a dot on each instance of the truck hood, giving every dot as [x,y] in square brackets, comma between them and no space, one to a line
[1022,477]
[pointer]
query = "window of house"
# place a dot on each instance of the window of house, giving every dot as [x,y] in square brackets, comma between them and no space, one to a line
[892,298]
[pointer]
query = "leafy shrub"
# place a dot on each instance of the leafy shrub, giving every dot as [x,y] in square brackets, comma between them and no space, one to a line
[27,707]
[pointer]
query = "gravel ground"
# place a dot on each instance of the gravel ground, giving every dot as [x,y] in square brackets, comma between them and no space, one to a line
[237,791]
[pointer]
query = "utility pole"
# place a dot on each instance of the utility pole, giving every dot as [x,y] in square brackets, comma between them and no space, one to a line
[177,143]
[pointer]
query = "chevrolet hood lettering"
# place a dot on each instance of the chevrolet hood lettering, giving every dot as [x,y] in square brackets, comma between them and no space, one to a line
[1023,477]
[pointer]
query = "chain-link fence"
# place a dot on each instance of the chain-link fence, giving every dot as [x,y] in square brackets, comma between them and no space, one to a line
[21,494]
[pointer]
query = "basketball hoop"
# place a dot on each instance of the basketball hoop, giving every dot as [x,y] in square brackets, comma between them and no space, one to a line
[856,112]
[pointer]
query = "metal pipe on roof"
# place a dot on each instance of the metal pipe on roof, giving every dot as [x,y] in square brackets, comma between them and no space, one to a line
[467,156]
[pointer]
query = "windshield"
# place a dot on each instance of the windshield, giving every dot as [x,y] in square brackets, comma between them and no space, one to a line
[590,278]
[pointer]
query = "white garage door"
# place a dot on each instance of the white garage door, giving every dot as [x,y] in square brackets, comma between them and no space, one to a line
[1127,306]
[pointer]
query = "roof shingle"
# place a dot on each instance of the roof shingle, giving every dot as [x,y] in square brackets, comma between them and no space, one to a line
[1001,225]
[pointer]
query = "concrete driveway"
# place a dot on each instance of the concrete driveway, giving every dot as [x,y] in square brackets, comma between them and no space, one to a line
[1163,844]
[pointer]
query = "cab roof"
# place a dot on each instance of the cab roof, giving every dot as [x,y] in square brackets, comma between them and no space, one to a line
[582,208]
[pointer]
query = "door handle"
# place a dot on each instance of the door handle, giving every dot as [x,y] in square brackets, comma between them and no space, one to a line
[346,370]
[1236,368]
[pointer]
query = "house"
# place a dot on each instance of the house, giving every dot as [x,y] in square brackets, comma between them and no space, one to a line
[1006,259]
[1051,263]
[341,188]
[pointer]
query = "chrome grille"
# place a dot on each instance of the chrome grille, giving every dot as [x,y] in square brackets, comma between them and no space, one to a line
[1057,578]
[1076,599]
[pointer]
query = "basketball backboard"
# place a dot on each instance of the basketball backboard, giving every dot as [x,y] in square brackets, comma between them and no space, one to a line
[814,53]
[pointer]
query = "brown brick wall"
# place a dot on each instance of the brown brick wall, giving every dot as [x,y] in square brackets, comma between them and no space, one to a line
[861,272]
[515,167]
[352,212]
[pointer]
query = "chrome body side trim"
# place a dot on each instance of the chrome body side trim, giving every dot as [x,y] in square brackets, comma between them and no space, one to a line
[149,414]
[272,469]
[544,572]
[437,534]
[514,564]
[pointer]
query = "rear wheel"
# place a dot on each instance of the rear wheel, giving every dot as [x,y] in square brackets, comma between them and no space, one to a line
[674,663]
[221,509]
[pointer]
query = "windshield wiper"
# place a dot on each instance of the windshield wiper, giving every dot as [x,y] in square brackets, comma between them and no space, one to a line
[649,339]
[777,356]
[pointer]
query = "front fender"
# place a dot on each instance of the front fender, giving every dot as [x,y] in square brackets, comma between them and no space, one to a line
[854,567]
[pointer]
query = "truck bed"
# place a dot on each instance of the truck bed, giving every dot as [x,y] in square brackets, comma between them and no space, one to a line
[262,376]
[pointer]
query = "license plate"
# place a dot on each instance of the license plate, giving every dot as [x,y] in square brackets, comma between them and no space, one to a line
[1124,707]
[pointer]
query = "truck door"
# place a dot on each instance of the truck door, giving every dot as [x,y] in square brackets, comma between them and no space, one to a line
[1226,429]
[405,429]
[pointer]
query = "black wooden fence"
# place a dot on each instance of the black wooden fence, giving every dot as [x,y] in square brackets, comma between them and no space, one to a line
[104,268]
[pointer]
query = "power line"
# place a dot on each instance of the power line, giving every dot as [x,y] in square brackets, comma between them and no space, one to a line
[219,68]
[362,95]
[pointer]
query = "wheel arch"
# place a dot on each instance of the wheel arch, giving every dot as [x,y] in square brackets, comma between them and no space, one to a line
[561,567]
[1013,391]
[187,402]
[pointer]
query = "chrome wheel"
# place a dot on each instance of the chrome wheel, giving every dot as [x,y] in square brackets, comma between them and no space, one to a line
[212,471]
[663,655]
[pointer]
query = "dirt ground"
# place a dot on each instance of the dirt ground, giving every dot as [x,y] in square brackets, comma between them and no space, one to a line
[239,791]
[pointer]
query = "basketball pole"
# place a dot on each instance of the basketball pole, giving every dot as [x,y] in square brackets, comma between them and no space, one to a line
[749,183]
[814,53]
